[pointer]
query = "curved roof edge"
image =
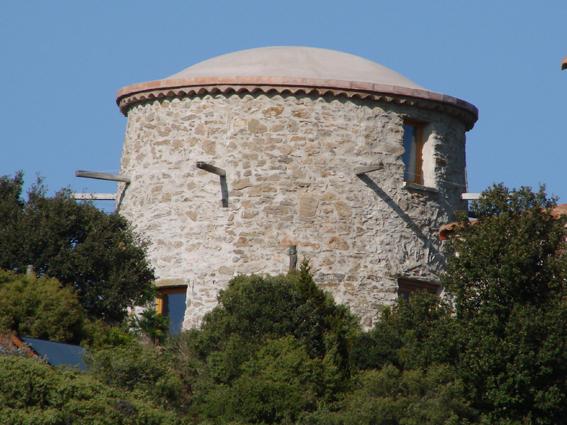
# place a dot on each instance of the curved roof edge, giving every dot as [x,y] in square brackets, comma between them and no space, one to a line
[168,88]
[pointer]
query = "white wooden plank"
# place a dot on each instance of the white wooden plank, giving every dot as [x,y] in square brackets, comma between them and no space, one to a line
[470,196]
[94,196]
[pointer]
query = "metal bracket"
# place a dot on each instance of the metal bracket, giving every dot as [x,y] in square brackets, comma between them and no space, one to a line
[222,176]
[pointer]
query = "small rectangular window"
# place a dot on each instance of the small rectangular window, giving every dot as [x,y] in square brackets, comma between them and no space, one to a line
[171,302]
[408,286]
[413,152]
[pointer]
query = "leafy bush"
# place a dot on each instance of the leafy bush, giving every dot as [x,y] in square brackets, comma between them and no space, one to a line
[32,392]
[254,309]
[389,396]
[514,255]
[414,333]
[277,385]
[40,308]
[273,348]
[98,335]
[139,369]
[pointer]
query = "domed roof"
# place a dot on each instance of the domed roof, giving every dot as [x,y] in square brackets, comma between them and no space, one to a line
[294,69]
[296,63]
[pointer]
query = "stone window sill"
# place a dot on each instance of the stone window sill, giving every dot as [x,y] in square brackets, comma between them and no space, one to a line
[419,187]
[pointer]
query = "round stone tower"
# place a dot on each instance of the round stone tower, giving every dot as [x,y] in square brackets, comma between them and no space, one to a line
[239,161]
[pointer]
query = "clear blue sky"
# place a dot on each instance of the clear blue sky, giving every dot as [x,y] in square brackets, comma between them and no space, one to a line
[62,62]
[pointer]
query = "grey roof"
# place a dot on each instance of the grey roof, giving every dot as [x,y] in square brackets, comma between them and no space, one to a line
[58,353]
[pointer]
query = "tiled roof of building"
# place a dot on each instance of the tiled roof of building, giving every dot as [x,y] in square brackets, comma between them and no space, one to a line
[447,229]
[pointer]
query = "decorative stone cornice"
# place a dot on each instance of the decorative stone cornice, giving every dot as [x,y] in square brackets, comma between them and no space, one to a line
[167,89]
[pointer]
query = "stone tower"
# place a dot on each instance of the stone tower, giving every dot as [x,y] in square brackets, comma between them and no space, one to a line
[236,160]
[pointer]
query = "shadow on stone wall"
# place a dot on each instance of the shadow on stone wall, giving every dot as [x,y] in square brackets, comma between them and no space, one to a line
[403,215]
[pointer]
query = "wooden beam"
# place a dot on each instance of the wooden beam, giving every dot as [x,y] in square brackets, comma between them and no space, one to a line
[94,196]
[101,176]
[367,169]
[470,196]
[211,168]
[419,187]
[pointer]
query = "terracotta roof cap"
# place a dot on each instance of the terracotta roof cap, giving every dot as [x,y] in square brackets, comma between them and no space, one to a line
[559,210]
[288,67]
[446,229]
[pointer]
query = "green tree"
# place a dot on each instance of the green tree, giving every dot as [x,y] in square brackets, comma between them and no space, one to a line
[96,254]
[503,332]
[513,255]
[40,308]
[508,276]
[254,309]
[414,333]
[273,348]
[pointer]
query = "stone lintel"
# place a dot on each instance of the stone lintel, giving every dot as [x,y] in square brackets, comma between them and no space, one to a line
[170,283]
[420,187]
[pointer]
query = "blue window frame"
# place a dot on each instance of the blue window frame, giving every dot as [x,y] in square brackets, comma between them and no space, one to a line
[413,151]
[172,302]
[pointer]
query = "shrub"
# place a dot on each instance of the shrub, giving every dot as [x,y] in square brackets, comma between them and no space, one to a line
[142,370]
[254,309]
[34,393]
[39,308]
[389,396]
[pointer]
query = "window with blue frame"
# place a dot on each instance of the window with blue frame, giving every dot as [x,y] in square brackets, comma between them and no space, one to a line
[171,302]
[413,152]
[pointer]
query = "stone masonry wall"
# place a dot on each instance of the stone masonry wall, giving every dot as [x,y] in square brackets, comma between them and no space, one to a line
[290,163]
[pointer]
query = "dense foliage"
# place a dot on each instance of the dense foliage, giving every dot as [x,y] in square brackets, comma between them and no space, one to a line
[94,253]
[39,308]
[509,280]
[274,348]
[278,350]
[503,332]
[32,392]
[393,396]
